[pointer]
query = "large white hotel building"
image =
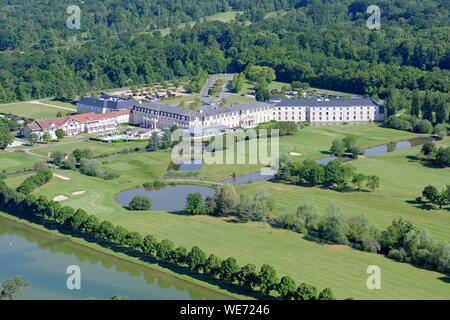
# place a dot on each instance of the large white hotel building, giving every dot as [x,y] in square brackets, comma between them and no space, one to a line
[246,115]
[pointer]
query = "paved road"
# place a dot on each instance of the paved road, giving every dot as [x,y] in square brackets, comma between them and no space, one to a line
[206,99]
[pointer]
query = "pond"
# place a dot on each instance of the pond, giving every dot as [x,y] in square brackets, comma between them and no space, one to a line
[369,152]
[43,258]
[385,148]
[396,146]
[249,178]
[169,198]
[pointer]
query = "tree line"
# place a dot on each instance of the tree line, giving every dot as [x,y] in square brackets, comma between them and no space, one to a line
[439,156]
[325,44]
[435,197]
[227,202]
[334,175]
[401,241]
[81,160]
[82,224]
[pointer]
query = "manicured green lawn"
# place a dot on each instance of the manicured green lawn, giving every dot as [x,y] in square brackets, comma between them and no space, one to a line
[339,267]
[401,181]
[15,161]
[313,143]
[98,148]
[31,110]
[177,100]
[221,16]
[59,104]
[235,99]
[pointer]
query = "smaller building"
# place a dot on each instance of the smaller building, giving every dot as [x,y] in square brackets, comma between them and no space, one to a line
[90,123]
[103,104]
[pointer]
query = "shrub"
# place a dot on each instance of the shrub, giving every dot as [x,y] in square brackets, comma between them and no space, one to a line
[139,203]
[422,126]
[397,254]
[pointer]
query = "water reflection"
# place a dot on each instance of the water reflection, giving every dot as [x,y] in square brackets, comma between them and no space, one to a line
[43,259]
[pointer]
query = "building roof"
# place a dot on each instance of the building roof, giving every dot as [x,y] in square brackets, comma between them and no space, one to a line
[92,116]
[204,111]
[48,123]
[82,118]
[114,103]
[335,102]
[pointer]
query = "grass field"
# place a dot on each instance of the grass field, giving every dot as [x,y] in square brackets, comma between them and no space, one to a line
[313,143]
[234,99]
[97,148]
[178,100]
[339,267]
[16,161]
[278,85]
[221,16]
[37,111]
[402,180]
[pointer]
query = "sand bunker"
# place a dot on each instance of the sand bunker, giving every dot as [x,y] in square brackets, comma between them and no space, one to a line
[61,177]
[78,193]
[60,198]
[295,154]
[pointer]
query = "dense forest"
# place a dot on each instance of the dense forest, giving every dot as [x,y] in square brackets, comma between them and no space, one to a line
[321,42]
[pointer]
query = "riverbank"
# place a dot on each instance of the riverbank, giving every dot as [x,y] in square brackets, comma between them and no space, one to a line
[215,291]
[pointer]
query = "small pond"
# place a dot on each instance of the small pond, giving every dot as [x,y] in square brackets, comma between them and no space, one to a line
[249,178]
[169,198]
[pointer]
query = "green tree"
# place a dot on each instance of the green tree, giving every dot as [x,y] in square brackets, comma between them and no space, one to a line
[373,182]
[337,148]
[12,288]
[349,143]
[149,245]
[60,134]
[441,130]
[164,250]
[46,137]
[326,294]
[429,149]
[226,199]
[305,292]
[6,137]
[140,203]
[431,193]
[70,163]
[333,226]
[213,266]
[196,259]
[154,142]
[286,288]
[394,236]
[194,204]
[57,157]
[33,139]
[443,157]
[358,180]
[229,269]
[267,279]
[262,95]
[247,276]
[179,255]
